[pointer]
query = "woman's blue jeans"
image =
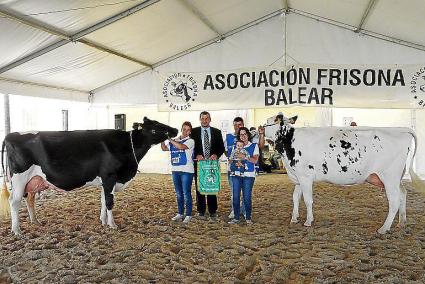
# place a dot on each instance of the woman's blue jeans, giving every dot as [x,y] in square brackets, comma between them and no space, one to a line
[242,206]
[183,186]
[246,184]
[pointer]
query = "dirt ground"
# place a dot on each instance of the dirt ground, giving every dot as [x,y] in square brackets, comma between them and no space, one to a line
[342,246]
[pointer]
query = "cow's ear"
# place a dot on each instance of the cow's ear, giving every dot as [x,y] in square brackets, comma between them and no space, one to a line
[293,119]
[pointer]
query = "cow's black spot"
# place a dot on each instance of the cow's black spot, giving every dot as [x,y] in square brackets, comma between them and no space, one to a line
[332,146]
[376,137]
[338,160]
[299,153]
[345,145]
[344,168]
[284,145]
[311,167]
[325,168]
[331,138]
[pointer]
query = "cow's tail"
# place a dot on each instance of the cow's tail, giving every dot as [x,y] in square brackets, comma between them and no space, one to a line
[417,183]
[4,194]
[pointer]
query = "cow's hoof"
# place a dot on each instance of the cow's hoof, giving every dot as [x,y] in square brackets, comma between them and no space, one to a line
[36,222]
[382,231]
[307,224]
[17,232]
[401,225]
[294,220]
[113,226]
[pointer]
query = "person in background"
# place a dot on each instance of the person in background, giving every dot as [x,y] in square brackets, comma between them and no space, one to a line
[245,182]
[208,145]
[181,151]
[229,143]
[353,123]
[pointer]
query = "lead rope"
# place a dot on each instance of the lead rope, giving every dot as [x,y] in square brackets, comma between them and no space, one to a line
[132,148]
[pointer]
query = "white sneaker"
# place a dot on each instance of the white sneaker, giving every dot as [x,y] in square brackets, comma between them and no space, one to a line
[187,219]
[178,217]
[233,221]
[232,215]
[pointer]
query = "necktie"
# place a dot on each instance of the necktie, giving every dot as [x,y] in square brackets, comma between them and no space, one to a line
[207,145]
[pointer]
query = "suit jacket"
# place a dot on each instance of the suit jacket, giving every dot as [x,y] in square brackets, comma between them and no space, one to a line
[217,144]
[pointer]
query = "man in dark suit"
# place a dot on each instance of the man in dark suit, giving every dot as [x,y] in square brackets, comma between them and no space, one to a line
[208,145]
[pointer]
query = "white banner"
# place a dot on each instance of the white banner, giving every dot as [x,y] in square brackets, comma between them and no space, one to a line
[392,86]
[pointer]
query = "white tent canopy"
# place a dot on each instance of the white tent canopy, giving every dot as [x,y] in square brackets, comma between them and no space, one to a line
[81,47]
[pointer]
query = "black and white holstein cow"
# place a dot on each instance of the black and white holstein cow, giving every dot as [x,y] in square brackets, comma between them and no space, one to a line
[68,160]
[346,156]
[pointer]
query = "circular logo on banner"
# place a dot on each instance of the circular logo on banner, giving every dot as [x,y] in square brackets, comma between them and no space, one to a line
[417,87]
[179,91]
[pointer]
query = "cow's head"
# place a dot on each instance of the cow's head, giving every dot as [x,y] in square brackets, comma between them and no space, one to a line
[285,132]
[156,131]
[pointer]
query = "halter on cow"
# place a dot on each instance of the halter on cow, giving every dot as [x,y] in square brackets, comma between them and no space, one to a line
[346,156]
[68,160]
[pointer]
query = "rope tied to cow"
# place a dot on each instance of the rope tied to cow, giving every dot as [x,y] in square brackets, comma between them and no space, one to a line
[132,148]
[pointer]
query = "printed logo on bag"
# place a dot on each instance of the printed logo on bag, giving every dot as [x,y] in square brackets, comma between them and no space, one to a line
[179,91]
[417,86]
[210,178]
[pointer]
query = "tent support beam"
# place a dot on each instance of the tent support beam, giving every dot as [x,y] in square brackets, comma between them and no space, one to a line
[193,49]
[365,15]
[201,16]
[365,32]
[33,23]
[73,38]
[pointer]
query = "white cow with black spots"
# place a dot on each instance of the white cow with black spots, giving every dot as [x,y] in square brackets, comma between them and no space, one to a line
[346,156]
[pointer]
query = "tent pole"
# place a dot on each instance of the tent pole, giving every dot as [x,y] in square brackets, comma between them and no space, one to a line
[285,14]
[413,125]
[6,114]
